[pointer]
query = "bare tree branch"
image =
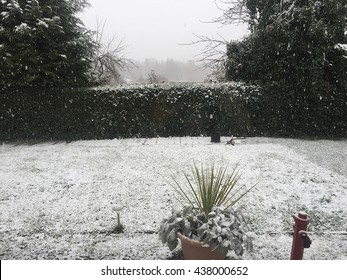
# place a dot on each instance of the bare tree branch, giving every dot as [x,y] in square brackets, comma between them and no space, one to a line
[110,57]
[233,11]
[213,55]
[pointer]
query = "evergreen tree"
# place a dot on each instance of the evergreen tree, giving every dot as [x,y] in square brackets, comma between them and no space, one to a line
[43,44]
[297,52]
[293,41]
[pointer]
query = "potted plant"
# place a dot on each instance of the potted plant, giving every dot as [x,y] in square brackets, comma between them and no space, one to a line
[207,224]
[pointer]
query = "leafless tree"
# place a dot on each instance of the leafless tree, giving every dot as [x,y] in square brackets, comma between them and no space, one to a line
[213,54]
[109,59]
[233,11]
[246,11]
[153,78]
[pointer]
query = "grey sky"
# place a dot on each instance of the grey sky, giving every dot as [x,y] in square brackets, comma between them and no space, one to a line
[156,28]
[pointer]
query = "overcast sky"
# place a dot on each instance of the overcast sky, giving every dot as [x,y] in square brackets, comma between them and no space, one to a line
[157,28]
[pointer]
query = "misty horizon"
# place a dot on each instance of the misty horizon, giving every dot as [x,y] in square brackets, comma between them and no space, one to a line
[169,70]
[159,29]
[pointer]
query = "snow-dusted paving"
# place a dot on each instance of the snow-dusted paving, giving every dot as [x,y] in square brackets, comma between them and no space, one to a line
[56,198]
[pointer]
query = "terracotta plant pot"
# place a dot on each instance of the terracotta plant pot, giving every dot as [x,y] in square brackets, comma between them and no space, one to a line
[193,250]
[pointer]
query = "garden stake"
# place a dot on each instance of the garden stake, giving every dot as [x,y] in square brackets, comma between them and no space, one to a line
[119,227]
[300,237]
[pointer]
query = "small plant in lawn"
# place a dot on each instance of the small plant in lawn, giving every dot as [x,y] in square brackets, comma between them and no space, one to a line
[207,213]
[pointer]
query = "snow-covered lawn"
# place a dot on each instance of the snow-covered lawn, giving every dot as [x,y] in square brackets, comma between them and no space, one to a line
[56,198]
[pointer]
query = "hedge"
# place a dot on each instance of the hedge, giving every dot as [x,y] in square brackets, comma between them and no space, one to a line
[285,110]
[129,111]
[173,110]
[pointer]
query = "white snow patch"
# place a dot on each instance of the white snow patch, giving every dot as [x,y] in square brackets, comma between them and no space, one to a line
[57,199]
[341,46]
[42,23]
[5,15]
[22,27]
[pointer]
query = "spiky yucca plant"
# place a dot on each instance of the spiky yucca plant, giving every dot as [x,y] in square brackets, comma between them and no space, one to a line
[210,187]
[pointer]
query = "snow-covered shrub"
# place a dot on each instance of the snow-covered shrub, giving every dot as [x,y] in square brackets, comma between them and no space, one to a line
[128,111]
[169,110]
[223,229]
[283,112]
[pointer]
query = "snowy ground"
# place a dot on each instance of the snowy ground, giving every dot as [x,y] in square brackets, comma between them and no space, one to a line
[56,198]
